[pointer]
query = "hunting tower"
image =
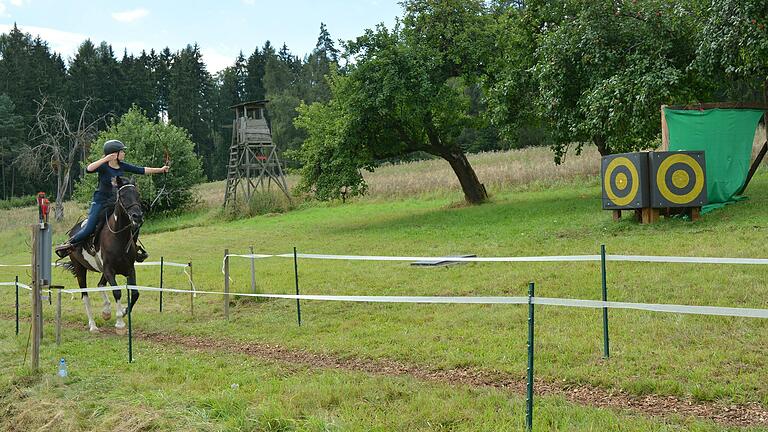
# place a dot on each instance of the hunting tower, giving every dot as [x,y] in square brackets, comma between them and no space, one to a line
[253,161]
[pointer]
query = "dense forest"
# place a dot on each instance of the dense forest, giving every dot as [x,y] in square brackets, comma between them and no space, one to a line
[451,77]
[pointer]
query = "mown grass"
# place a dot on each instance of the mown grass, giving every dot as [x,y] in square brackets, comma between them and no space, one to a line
[172,389]
[706,358]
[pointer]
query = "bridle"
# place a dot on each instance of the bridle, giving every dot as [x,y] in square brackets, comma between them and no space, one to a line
[119,204]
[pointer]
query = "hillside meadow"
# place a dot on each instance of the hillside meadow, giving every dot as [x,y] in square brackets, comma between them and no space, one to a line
[413,210]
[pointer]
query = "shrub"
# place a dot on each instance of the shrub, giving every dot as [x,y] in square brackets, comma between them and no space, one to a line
[147,142]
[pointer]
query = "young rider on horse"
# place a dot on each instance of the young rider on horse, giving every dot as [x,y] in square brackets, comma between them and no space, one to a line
[108,167]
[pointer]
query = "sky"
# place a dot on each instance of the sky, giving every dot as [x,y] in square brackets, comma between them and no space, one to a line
[221,28]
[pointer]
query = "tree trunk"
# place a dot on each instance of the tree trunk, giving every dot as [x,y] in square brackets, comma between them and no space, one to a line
[2,167]
[61,187]
[602,147]
[474,191]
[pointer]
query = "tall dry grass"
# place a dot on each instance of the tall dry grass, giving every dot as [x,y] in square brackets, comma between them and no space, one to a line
[497,170]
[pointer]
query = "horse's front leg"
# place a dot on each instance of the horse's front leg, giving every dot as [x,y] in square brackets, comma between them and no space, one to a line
[117,294]
[106,310]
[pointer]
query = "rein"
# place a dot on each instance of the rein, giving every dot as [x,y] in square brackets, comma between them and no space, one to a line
[125,210]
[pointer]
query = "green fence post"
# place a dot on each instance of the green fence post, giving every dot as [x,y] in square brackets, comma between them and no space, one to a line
[296,274]
[529,389]
[162,265]
[17,305]
[606,343]
[130,329]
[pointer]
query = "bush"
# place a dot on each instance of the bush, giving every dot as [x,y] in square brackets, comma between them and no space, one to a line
[261,203]
[16,202]
[147,142]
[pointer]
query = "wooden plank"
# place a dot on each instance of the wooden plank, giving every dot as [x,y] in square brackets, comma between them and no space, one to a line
[617,215]
[664,131]
[724,105]
[695,214]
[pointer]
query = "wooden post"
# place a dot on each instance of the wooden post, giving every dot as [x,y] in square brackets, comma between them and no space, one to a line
[695,214]
[616,215]
[664,131]
[253,271]
[35,302]
[650,215]
[226,284]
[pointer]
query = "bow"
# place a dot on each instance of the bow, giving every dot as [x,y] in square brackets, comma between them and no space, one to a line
[166,162]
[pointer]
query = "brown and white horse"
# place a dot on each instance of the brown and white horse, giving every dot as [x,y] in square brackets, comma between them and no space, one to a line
[112,253]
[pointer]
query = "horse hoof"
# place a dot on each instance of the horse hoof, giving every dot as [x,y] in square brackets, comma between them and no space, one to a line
[106,315]
[121,331]
[94,330]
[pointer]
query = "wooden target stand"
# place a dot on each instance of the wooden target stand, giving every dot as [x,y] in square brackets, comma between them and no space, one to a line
[648,215]
[654,184]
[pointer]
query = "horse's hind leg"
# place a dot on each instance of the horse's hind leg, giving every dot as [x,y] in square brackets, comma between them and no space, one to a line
[82,281]
[106,311]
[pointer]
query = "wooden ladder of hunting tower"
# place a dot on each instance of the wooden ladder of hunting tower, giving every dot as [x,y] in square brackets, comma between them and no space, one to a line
[253,160]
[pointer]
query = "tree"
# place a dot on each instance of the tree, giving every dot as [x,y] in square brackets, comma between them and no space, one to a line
[604,67]
[733,46]
[56,146]
[254,82]
[11,133]
[148,141]
[406,90]
[190,104]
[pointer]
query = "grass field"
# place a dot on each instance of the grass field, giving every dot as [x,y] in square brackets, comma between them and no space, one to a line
[721,361]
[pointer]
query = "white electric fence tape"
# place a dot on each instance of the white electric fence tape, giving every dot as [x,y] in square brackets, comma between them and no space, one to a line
[597,304]
[555,258]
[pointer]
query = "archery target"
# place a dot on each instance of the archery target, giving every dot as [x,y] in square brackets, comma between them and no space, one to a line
[679,179]
[625,181]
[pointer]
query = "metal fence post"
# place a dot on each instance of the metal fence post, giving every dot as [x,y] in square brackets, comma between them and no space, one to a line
[296,275]
[226,284]
[529,387]
[191,294]
[162,266]
[606,344]
[130,328]
[253,271]
[17,305]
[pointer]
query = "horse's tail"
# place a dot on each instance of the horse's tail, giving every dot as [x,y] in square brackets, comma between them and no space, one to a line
[68,266]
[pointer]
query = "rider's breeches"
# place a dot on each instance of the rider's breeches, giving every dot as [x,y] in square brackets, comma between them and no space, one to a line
[90,225]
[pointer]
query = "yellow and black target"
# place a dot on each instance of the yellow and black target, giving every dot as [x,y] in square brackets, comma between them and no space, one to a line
[679,179]
[625,181]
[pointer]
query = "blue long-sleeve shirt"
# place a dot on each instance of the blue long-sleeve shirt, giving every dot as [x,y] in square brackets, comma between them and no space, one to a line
[106,173]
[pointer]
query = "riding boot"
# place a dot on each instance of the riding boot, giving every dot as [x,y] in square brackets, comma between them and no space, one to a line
[63,250]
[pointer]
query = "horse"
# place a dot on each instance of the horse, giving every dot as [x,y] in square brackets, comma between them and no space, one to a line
[111,253]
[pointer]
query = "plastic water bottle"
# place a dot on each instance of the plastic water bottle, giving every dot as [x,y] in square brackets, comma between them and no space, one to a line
[62,368]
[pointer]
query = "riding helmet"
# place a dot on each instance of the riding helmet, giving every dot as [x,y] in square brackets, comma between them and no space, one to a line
[113,146]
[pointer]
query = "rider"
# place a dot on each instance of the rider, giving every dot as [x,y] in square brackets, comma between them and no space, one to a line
[108,167]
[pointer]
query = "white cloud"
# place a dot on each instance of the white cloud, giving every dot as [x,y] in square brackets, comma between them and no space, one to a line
[17,3]
[130,16]
[215,61]
[62,42]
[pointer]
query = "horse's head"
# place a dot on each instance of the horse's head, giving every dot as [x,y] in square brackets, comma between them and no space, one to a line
[128,200]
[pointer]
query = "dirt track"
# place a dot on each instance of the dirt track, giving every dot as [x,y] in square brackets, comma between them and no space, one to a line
[650,405]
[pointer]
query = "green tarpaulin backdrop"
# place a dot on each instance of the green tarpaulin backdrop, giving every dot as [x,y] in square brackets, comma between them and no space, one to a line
[725,135]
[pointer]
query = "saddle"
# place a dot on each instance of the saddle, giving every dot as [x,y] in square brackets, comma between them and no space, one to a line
[90,244]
